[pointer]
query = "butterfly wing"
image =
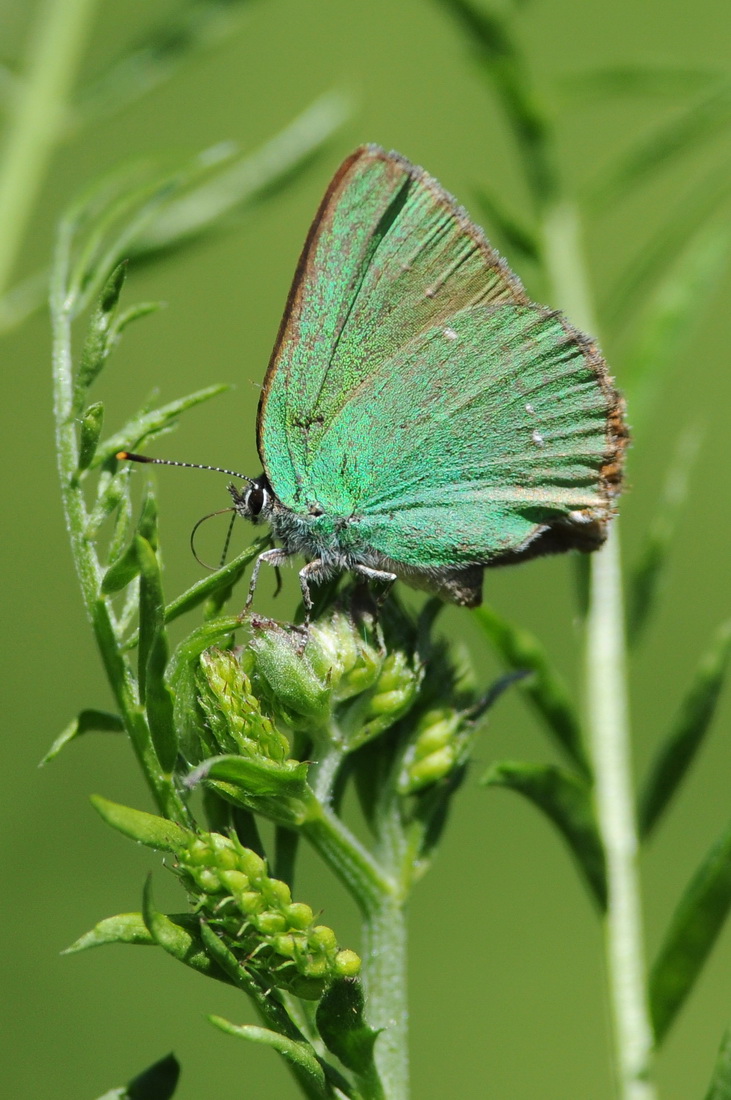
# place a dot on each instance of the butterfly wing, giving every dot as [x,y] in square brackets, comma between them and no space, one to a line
[495,429]
[414,389]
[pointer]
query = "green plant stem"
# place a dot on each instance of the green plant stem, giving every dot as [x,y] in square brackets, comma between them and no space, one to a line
[85,560]
[57,40]
[380,897]
[349,860]
[384,977]
[608,720]
[610,742]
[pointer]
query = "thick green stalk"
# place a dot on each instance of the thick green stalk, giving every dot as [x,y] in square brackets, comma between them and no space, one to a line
[609,730]
[384,977]
[607,712]
[57,39]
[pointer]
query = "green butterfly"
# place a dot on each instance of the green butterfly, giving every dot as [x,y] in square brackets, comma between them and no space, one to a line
[421,418]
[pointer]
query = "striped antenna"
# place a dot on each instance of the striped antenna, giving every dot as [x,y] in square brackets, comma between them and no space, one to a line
[129,456]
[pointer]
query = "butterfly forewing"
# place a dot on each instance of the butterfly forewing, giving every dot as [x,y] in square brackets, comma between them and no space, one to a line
[389,256]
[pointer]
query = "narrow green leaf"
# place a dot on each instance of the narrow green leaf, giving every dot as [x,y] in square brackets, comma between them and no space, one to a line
[687,734]
[91,428]
[195,738]
[123,572]
[151,606]
[111,233]
[645,579]
[720,1087]
[277,790]
[158,1082]
[149,424]
[566,800]
[86,721]
[153,657]
[113,492]
[625,81]
[517,238]
[659,148]
[122,928]
[693,930]
[502,62]
[149,829]
[300,1054]
[179,936]
[95,350]
[134,313]
[660,253]
[672,315]
[344,1030]
[521,650]
[248,180]
[155,57]
[212,586]
[122,521]
[126,566]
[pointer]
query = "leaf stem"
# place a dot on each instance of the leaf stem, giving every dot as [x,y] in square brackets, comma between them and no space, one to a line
[57,40]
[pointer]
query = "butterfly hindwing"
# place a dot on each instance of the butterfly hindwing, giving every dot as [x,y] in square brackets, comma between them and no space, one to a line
[496,430]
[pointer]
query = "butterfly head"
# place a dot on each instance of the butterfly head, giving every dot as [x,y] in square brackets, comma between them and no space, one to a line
[254,501]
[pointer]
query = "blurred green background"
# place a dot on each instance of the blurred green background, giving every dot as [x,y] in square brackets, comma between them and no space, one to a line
[513,1007]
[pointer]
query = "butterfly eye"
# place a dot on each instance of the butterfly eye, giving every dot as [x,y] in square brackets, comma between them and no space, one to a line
[256,500]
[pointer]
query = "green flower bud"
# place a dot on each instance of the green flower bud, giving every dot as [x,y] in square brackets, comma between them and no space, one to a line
[270,922]
[391,696]
[250,903]
[277,892]
[299,915]
[285,945]
[257,918]
[435,751]
[233,713]
[236,882]
[347,963]
[292,684]
[316,967]
[322,938]
[252,865]
[207,880]
[342,657]
[436,729]
[432,768]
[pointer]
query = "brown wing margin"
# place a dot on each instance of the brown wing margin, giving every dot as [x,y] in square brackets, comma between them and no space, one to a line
[297,281]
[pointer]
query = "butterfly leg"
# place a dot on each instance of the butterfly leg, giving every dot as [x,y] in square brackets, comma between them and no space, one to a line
[382,575]
[314,571]
[386,579]
[275,557]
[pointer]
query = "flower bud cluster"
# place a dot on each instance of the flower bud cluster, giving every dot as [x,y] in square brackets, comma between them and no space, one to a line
[264,928]
[233,713]
[437,748]
[340,674]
